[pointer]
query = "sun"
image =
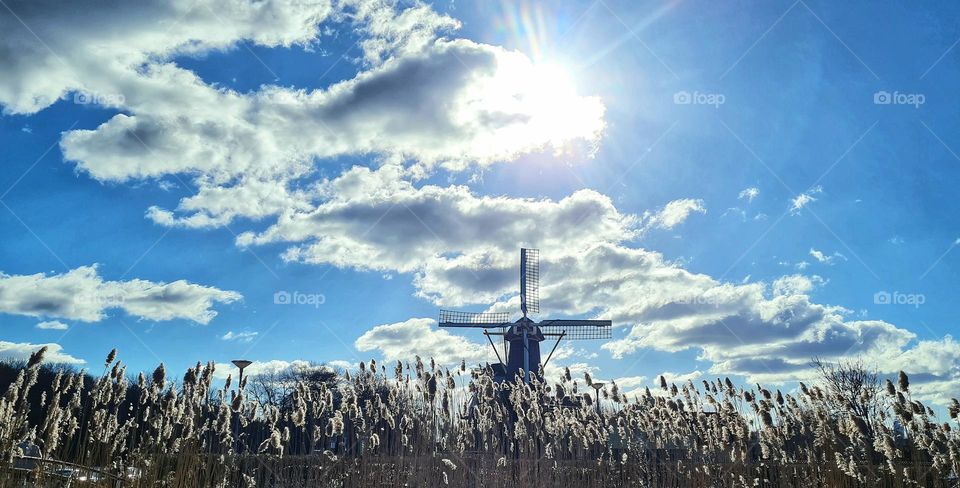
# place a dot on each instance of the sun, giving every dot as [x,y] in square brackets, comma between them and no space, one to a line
[534,105]
[548,95]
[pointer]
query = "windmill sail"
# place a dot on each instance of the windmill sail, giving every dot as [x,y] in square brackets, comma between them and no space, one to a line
[529,281]
[487,320]
[577,329]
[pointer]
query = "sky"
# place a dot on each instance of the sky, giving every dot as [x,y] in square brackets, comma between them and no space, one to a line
[740,187]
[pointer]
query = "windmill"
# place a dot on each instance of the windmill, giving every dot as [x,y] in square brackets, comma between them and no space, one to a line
[525,335]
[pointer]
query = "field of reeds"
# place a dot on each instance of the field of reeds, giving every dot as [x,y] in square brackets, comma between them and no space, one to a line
[422,425]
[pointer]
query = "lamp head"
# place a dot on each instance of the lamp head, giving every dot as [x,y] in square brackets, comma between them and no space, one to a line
[242,363]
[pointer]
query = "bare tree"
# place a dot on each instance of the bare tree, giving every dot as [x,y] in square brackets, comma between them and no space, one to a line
[276,387]
[854,387]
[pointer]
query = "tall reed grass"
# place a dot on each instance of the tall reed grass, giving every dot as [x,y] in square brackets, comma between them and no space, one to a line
[423,425]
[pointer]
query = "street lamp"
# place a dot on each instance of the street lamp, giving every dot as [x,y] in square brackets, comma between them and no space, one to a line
[598,387]
[240,363]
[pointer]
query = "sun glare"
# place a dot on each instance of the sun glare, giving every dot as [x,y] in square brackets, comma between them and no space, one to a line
[534,105]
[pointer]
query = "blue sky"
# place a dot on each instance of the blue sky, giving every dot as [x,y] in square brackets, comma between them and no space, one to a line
[421,182]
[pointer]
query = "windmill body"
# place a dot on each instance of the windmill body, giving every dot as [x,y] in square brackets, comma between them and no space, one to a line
[522,338]
[524,331]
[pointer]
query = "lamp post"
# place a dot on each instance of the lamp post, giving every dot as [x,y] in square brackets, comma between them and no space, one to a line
[598,387]
[240,363]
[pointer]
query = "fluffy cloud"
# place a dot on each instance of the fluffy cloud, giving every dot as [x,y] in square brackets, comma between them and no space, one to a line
[402,340]
[631,382]
[934,367]
[764,332]
[452,102]
[672,377]
[749,329]
[393,34]
[795,284]
[675,213]
[461,249]
[50,48]
[53,325]
[258,368]
[462,246]
[21,351]
[81,294]
[455,103]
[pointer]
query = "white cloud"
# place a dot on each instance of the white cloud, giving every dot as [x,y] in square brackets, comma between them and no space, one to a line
[81,294]
[239,336]
[795,284]
[392,33]
[631,382]
[21,351]
[829,260]
[50,48]
[341,364]
[680,378]
[439,101]
[804,199]
[461,246]
[456,103]
[257,368]
[749,194]
[764,332]
[420,336]
[53,325]
[674,213]
[632,386]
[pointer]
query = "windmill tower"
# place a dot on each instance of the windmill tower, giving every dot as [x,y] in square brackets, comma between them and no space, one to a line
[525,335]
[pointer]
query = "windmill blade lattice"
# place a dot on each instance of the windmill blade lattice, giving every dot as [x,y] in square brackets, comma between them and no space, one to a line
[530,281]
[452,318]
[577,329]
